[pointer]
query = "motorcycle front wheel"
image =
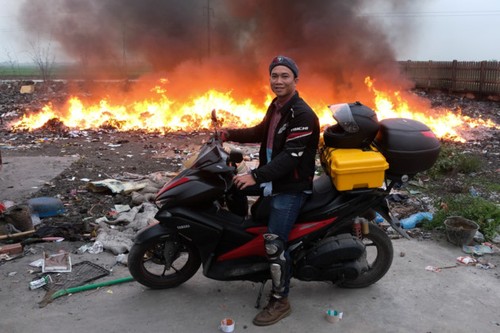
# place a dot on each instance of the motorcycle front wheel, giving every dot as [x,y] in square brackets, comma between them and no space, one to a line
[379,255]
[163,263]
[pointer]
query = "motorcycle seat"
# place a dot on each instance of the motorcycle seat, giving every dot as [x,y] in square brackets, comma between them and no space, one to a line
[323,192]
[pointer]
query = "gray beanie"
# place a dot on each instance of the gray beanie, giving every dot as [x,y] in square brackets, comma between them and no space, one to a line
[284,61]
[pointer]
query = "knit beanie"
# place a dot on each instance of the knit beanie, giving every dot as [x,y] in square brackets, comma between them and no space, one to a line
[284,61]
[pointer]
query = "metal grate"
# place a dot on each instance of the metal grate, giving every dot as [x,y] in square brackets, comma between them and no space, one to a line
[81,273]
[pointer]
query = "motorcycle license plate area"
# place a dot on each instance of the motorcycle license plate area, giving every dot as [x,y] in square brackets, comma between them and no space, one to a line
[352,169]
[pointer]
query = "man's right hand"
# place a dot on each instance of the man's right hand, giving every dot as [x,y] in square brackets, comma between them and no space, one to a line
[223,136]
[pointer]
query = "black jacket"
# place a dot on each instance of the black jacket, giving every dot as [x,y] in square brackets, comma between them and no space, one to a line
[295,144]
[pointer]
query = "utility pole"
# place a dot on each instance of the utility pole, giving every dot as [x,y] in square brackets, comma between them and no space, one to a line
[209,14]
[124,49]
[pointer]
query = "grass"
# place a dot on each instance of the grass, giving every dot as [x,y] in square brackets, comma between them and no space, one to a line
[485,213]
[452,160]
[465,170]
[65,71]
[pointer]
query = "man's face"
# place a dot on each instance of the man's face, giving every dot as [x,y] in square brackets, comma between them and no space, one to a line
[283,82]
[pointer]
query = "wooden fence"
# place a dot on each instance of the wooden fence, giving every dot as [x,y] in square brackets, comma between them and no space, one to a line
[481,77]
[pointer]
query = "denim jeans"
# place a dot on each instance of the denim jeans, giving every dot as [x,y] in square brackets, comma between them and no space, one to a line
[285,208]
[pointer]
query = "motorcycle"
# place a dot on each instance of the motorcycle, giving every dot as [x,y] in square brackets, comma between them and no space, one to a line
[334,239]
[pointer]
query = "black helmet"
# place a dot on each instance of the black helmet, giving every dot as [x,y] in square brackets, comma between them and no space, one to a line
[356,126]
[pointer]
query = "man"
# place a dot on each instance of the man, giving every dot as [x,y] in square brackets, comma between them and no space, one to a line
[289,135]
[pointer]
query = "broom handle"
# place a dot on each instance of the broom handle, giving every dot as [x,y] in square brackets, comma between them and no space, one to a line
[85,287]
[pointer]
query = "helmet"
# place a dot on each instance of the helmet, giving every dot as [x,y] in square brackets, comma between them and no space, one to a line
[356,126]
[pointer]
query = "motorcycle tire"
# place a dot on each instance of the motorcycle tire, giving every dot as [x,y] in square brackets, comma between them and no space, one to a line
[382,262]
[148,265]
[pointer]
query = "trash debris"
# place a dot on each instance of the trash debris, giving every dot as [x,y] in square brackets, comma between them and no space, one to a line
[16,219]
[333,316]
[412,221]
[37,263]
[477,250]
[35,284]
[122,259]
[11,249]
[438,269]
[432,268]
[122,208]
[116,186]
[466,260]
[27,89]
[58,262]
[226,325]
[46,206]
[479,237]
[487,265]
[116,241]
[95,248]
[379,218]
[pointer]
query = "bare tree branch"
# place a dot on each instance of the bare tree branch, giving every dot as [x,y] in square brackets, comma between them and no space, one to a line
[43,58]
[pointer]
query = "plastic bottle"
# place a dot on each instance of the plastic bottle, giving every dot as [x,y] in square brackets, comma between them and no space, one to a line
[379,218]
[412,220]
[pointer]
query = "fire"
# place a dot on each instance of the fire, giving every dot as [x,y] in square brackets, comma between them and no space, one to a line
[159,112]
[444,125]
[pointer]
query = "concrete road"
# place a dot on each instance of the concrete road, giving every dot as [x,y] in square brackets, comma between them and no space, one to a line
[22,176]
[408,299]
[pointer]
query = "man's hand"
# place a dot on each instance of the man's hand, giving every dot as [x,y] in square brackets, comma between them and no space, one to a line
[243,181]
[223,136]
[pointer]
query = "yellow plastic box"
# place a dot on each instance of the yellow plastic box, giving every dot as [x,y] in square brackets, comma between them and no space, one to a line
[354,168]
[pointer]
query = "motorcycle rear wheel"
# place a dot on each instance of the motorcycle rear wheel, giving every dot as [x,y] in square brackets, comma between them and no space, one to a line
[376,240]
[150,267]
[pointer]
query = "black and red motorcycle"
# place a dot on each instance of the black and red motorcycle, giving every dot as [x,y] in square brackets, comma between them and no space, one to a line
[326,243]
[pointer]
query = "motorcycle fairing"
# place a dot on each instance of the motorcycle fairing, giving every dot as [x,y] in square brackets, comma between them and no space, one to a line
[255,247]
[191,191]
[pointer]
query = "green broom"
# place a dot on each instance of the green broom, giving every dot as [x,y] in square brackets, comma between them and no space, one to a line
[51,296]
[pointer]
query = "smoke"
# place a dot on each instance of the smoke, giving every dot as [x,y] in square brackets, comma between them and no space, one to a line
[227,44]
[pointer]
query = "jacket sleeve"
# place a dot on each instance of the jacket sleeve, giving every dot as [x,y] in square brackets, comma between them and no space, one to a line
[300,135]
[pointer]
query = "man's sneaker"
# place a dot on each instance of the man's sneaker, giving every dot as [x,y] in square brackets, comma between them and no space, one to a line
[275,310]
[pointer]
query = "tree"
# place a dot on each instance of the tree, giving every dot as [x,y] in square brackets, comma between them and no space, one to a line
[43,57]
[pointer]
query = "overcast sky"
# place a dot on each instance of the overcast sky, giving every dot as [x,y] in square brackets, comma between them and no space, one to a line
[438,30]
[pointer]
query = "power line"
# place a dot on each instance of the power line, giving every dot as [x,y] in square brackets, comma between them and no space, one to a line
[432,14]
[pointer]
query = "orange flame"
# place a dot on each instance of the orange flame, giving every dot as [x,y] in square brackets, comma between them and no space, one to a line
[160,113]
[444,124]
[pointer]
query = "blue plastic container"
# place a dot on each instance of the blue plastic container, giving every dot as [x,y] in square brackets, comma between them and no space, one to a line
[46,206]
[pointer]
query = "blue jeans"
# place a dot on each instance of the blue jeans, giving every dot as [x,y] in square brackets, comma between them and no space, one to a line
[285,208]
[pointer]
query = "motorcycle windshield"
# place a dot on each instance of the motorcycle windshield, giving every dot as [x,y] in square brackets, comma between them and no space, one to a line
[211,154]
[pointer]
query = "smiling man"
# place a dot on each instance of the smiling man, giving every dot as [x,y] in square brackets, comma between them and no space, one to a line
[289,135]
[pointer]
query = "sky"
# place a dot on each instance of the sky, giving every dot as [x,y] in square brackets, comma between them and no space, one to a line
[439,30]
